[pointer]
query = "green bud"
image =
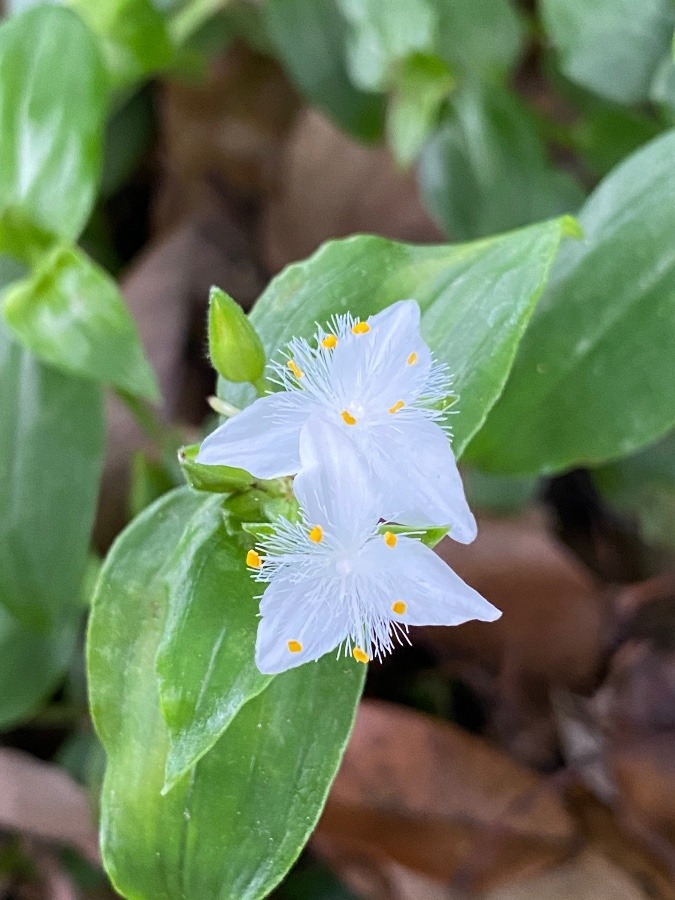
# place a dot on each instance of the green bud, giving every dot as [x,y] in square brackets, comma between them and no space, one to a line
[234,346]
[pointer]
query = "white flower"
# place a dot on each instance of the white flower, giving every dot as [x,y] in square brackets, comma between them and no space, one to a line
[377,383]
[335,580]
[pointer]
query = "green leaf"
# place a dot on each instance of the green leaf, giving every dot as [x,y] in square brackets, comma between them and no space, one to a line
[52,107]
[310,39]
[71,314]
[613,47]
[134,36]
[217,479]
[486,170]
[481,37]
[32,664]
[428,536]
[421,88]
[51,452]
[476,301]
[595,372]
[236,823]
[205,661]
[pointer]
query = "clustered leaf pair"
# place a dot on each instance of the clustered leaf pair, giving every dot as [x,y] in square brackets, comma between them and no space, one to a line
[361,423]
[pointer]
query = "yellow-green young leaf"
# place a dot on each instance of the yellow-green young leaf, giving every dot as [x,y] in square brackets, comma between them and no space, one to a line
[70,313]
[234,346]
[595,374]
[52,107]
[51,452]
[234,825]
[476,301]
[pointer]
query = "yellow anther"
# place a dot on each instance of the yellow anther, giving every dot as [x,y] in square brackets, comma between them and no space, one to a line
[316,534]
[412,359]
[360,328]
[347,418]
[398,405]
[253,559]
[390,539]
[295,646]
[329,342]
[359,655]
[295,368]
[399,607]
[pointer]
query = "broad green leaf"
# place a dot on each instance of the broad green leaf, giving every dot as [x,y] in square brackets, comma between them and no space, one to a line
[486,170]
[232,827]
[595,373]
[310,39]
[205,661]
[134,37]
[421,88]
[481,37]
[613,47]
[32,664]
[52,106]
[476,301]
[217,479]
[70,313]
[51,452]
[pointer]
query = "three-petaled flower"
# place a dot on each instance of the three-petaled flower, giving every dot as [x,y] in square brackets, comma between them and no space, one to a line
[377,383]
[336,579]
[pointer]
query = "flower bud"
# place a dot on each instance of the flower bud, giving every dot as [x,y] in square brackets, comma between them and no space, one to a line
[234,346]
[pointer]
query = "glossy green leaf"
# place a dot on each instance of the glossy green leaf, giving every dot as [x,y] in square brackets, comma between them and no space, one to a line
[613,47]
[232,827]
[486,170]
[310,39]
[52,107]
[134,36]
[595,373]
[476,301]
[71,314]
[217,479]
[32,664]
[205,661]
[51,449]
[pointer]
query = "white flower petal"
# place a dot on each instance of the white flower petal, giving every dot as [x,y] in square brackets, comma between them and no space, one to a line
[413,459]
[333,486]
[291,613]
[264,438]
[432,593]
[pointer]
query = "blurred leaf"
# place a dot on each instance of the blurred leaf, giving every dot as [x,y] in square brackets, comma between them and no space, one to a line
[32,664]
[383,34]
[51,450]
[52,102]
[487,170]
[421,88]
[476,300]
[484,37]
[594,376]
[501,494]
[71,314]
[128,133]
[134,37]
[310,39]
[613,47]
[219,479]
[149,481]
[234,826]
[205,660]
[607,133]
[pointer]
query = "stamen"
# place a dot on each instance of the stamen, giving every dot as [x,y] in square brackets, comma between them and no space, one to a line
[347,418]
[412,359]
[359,655]
[390,539]
[360,328]
[253,559]
[316,534]
[295,368]
[399,607]
[329,342]
[294,646]
[398,405]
